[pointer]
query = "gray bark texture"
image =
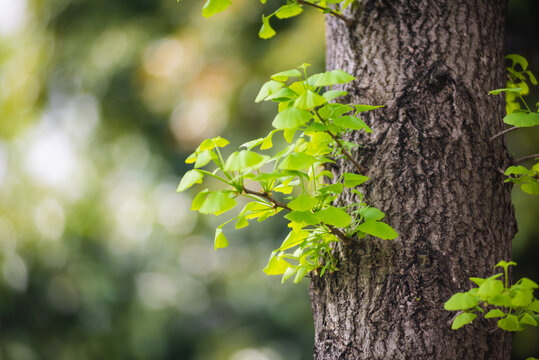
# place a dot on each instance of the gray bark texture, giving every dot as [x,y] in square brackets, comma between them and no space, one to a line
[433,172]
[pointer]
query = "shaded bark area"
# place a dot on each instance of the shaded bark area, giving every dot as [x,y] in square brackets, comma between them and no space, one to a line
[433,172]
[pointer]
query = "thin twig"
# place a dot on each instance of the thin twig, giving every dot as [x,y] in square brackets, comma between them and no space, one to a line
[343,149]
[503,132]
[338,233]
[525,158]
[268,197]
[454,317]
[348,21]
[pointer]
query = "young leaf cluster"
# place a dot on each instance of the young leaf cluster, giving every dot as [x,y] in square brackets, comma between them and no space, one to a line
[526,178]
[515,306]
[293,179]
[520,115]
[290,9]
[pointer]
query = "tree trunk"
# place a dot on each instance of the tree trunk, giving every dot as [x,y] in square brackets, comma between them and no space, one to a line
[433,171]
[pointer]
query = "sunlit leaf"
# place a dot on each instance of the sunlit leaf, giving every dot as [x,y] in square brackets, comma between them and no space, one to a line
[522,119]
[302,217]
[353,180]
[531,188]
[352,122]
[217,203]
[334,216]
[460,301]
[291,118]
[371,213]
[276,265]
[199,199]
[289,273]
[333,77]
[494,313]
[462,319]
[209,144]
[363,108]
[510,323]
[490,288]
[528,320]
[378,229]
[266,31]
[294,238]
[204,158]
[333,188]
[244,160]
[212,7]
[309,100]
[297,161]
[302,203]
[284,75]
[269,88]
[522,298]
[288,11]
[220,239]
[189,179]
[332,94]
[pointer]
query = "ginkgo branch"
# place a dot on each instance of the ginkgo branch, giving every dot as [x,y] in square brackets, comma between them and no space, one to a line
[348,21]
[503,132]
[341,146]
[338,233]
[525,158]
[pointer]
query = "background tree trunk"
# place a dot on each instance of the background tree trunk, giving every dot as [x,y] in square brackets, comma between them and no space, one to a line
[434,172]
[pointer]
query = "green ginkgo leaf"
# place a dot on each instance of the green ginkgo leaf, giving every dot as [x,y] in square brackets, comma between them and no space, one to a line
[189,179]
[463,319]
[220,240]
[217,203]
[333,77]
[494,313]
[302,217]
[244,160]
[334,216]
[509,323]
[291,118]
[276,265]
[269,88]
[266,31]
[209,144]
[284,75]
[303,203]
[460,301]
[363,108]
[297,161]
[379,229]
[353,180]
[212,7]
[332,94]
[288,11]
[309,100]
[522,119]
[352,122]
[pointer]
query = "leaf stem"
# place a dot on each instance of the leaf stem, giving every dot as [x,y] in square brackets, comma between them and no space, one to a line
[341,146]
[348,21]
[503,132]
[524,102]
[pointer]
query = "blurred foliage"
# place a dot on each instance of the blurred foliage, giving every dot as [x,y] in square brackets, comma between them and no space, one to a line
[100,103]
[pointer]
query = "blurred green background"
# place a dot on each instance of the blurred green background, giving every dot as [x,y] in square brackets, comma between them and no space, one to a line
[100,104]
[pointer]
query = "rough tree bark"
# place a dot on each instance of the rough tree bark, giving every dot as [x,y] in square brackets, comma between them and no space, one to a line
[434,172]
